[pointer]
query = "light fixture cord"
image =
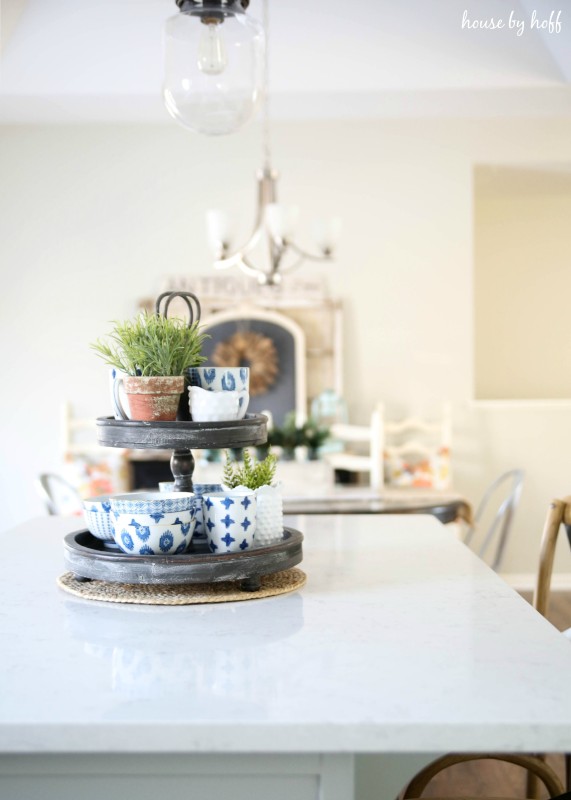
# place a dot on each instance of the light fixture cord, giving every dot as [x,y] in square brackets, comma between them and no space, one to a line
[266,90]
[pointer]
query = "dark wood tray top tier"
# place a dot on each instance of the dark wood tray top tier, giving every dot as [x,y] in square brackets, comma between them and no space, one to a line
[182,437]
[90,558]
[132,434]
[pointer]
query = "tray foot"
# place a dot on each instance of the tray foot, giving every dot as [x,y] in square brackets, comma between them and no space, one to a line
[253,584]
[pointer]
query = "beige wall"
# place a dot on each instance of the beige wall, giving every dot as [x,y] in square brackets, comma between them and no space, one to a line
[522,282]
[92,217]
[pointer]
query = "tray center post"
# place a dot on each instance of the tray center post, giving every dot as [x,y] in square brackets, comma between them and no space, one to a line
[182,468]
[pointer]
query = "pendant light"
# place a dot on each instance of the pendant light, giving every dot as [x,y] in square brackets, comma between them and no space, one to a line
[214,56]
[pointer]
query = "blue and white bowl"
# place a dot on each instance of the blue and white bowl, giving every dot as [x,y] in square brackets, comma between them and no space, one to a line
[96,512]
[160,517]
[229,520]
[152,540]
[151,502]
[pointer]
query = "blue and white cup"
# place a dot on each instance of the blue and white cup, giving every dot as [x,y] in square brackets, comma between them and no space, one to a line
[220,379]
[119,401]
[201,489]
[229,519]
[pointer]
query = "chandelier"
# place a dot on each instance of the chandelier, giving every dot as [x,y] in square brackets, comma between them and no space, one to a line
[274,223]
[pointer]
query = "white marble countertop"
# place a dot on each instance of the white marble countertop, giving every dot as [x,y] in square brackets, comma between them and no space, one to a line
[401,641]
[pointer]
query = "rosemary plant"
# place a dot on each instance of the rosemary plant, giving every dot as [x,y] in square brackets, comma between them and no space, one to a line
[152,345]
[250,473]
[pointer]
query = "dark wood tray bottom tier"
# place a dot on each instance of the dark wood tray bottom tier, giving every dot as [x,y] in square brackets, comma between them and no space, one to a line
[91,559]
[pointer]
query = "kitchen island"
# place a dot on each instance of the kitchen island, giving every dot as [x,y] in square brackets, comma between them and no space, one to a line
[401,646]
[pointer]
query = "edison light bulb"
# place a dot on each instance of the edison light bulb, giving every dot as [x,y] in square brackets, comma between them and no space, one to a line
[214,65]
[212,58]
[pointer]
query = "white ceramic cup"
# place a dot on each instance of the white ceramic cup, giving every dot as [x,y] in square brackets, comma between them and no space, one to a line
[206,406]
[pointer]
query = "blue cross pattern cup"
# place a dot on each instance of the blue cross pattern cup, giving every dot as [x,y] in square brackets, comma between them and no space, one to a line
[229,520]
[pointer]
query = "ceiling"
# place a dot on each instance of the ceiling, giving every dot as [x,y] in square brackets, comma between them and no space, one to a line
[64,60]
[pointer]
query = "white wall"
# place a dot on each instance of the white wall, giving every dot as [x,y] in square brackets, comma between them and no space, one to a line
[522,283]
[92,217]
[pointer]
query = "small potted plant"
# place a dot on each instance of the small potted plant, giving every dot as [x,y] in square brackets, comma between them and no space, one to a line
[259,476]
[153,351]
[314,437]
[289,436]
[292,436]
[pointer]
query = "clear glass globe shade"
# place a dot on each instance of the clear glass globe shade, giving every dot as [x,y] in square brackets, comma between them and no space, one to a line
[213,72]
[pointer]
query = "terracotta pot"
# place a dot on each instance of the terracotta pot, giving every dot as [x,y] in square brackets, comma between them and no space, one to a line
[153,399]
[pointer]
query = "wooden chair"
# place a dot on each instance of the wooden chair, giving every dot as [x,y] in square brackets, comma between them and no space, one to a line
[378,439]
[369,438]
[505,493]
[533,764]
[78,436]
[559,513]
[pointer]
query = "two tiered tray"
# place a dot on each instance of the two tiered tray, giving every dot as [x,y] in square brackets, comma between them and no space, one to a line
[88,558]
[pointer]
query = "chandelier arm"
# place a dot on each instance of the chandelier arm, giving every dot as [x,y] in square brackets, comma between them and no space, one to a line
[237,256]
[293,266]
[235,260]
[223,263]
[251,269]
[303,254]
[239,260]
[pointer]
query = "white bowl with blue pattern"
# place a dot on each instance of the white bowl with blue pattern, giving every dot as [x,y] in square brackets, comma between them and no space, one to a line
[152,540]
[151,502]
[98,518]
[160,517]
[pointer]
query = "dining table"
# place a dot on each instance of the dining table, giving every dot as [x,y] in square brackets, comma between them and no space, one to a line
[401,646]
[309,487]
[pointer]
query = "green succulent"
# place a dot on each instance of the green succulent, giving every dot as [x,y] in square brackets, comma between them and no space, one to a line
[250,473]
[152,345]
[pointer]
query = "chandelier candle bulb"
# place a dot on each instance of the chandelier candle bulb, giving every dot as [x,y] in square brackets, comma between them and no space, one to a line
[281,220]
[326,233]
[218,229]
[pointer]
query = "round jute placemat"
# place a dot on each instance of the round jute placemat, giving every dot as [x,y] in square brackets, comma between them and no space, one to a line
[174,595]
